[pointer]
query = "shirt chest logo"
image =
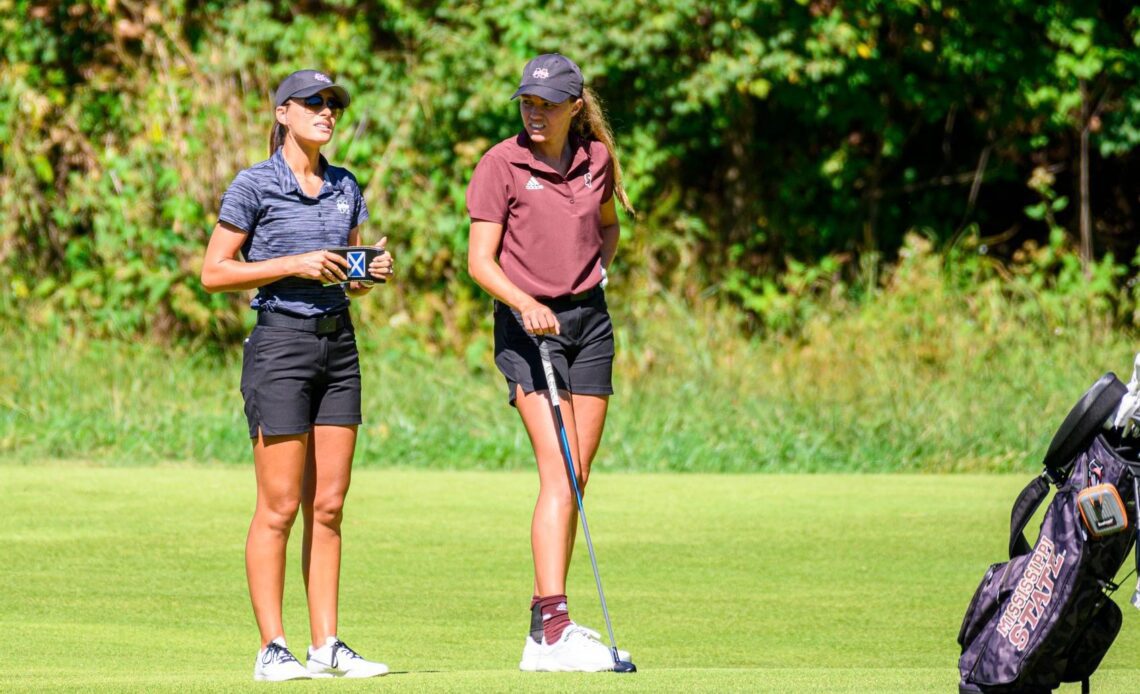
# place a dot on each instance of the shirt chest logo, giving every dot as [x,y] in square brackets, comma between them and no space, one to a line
[533,184]
[342,206]
[588,180]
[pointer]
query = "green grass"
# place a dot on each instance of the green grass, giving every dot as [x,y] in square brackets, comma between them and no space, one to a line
[131,579]
[692,395]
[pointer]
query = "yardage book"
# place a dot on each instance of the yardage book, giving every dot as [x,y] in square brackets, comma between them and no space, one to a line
[358,258]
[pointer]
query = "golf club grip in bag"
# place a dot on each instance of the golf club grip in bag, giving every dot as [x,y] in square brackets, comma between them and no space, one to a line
[1046,616]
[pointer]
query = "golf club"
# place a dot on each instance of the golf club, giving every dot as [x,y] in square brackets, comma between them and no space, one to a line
[552,387]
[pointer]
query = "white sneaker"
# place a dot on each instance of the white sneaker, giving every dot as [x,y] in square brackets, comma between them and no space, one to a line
[579,650]
[276,664]
[533,652]
[337,659]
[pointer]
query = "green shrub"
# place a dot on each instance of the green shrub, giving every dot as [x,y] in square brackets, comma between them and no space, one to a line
[775,150]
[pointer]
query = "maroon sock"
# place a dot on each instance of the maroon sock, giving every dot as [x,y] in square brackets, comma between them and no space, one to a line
[555,616]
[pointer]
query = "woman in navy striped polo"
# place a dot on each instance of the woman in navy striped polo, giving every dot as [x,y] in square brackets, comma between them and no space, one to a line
[300,369]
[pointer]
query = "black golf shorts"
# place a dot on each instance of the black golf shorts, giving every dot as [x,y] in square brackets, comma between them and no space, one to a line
[292,379]
[582,354]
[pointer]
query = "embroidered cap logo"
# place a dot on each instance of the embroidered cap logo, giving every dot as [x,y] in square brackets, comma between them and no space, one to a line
[321,77]
[541,73]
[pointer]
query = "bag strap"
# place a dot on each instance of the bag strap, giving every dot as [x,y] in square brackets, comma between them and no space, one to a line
[1026,505]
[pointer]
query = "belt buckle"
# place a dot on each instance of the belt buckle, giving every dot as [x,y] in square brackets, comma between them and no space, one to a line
[327,324]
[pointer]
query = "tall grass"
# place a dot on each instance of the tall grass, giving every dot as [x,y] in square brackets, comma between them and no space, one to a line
[922,376]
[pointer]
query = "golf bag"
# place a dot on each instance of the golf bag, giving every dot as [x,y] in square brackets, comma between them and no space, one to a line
[1046,616]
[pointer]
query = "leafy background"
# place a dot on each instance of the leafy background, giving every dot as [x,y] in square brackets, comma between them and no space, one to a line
[778,152]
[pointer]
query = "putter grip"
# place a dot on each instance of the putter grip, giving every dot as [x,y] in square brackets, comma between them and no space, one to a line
[548,371]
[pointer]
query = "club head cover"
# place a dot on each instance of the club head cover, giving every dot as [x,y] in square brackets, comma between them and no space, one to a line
[1083,422]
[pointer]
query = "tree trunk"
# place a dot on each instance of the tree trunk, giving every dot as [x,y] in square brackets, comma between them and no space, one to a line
[1086,214]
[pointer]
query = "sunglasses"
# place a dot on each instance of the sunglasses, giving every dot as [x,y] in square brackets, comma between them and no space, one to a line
[316,102]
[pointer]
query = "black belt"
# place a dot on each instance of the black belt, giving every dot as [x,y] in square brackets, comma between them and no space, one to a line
[322,325]
[582,296]
[565,298]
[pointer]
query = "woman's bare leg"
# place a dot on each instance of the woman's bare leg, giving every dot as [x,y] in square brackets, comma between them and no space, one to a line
[279,462]
[328,471]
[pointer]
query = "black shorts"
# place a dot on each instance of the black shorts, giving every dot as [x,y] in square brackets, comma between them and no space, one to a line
[582,354]
[292,379]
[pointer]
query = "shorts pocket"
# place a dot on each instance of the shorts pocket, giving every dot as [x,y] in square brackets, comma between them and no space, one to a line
[248,361]
[510,330]
[249,379]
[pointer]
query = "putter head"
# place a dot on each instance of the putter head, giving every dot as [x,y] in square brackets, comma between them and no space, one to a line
[624,666]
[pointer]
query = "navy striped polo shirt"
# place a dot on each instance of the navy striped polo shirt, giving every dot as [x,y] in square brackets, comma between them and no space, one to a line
[267,203]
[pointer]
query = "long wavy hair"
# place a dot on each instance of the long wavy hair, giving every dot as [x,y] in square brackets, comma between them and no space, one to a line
[591,124]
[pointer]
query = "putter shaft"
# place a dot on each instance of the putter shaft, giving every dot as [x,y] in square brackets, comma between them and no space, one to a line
[551,387]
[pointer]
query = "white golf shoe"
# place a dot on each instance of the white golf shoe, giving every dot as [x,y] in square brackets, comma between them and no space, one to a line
[579,650]
[276,664]
[532,655]
[336,659]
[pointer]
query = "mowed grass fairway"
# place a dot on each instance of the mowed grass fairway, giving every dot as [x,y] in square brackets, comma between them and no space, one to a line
[131,579]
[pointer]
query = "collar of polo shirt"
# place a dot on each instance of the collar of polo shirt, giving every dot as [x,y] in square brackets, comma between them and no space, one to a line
[523,154]
[287,179]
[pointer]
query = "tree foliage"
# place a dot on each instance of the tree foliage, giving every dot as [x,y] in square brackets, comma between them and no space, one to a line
[766,143]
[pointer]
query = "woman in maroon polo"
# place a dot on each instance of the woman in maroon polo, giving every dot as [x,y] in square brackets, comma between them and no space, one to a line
[544,228]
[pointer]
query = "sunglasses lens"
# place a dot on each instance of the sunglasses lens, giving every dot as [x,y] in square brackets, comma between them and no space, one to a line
[318,102]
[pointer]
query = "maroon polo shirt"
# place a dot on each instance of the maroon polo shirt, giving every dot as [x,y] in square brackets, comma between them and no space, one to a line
[552,225]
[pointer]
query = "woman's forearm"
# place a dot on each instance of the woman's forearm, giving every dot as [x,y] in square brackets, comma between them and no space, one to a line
[230,274]
[490,276]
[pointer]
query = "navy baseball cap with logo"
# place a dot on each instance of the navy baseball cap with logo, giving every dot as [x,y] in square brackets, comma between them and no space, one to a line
[304,83]
[553,77]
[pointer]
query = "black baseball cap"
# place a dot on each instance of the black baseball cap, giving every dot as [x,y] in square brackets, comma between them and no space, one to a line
[304,83]
[553,77]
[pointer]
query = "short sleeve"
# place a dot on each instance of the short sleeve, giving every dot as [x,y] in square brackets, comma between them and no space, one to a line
[489,192]
[360,207]
[608,182]
[607,171]
[241,203]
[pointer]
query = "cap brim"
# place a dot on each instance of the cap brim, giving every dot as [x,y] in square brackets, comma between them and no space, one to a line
[554,96]
[341,92]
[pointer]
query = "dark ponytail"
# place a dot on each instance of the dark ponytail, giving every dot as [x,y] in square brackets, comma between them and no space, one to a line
[276,137]
[590,124]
